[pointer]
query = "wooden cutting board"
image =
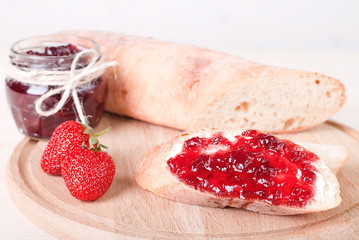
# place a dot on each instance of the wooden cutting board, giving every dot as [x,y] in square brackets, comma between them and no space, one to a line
[128,212]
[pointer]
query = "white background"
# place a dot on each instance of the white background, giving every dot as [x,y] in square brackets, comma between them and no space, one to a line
[312,35]
[219,24]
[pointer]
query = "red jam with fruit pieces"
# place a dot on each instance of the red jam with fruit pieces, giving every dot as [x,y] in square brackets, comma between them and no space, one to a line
[256,166]
[22,96]
[65,50]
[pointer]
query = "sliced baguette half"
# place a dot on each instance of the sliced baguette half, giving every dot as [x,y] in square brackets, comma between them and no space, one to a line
[334,156]
[153,174]
[188,87]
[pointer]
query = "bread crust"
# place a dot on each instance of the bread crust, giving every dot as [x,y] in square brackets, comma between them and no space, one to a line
[334,156]
[187,87]
[154,175]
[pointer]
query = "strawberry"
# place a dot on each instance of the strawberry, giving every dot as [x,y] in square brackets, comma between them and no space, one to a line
[68,135]
[75,153]
[87,173]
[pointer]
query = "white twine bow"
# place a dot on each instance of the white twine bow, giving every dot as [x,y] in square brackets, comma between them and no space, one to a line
[68,81]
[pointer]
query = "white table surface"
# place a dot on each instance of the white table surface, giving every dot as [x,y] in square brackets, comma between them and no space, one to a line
[343,65]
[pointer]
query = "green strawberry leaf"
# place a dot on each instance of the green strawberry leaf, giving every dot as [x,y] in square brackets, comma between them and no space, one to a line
[93,140]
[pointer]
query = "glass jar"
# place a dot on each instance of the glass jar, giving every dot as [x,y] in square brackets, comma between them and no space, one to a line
[51,53]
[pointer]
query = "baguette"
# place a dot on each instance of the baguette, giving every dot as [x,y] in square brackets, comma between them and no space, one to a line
[187,87]
[333,156]
[153,174]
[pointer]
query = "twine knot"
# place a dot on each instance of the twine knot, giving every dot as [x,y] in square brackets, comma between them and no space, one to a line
[67,81]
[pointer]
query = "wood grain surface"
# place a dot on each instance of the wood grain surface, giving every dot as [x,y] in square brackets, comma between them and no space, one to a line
[128,212]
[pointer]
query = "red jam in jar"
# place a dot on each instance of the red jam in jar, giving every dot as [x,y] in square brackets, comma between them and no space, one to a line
[255,166]
[52,53]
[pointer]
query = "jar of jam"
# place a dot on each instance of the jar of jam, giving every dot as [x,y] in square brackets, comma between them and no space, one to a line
[48,55]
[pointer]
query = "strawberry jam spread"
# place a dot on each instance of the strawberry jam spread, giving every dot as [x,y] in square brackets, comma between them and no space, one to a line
[254,166]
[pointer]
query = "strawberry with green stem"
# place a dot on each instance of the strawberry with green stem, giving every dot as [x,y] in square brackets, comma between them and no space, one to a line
[75,152]
[88,171]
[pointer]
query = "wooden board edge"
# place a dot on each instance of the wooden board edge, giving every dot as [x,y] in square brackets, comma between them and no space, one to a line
[23,198]
[344,128]
[30,204]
